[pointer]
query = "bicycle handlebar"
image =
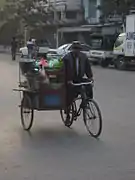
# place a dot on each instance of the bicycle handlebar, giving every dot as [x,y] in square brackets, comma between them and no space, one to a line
[82,83]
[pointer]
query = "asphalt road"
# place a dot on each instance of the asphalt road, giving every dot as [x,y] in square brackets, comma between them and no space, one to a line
[53,152]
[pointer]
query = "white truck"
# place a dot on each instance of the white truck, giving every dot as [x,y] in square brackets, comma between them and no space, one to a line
[101,49]
[124,47]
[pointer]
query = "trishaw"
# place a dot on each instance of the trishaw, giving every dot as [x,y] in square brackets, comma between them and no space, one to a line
[37,95]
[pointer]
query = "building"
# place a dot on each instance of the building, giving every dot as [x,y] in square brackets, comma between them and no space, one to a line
[69,11]
[93,12]
[91,20]
[94,22]
[65,12]
[75,20]
[76,11]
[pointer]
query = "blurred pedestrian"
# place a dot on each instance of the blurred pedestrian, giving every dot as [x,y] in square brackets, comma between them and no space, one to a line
[30,46]
[14,48]
[35,48]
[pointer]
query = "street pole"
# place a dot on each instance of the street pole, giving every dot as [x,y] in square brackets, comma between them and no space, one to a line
[57,38]
[49,3]
[25,36]
[55,21]
[55,11]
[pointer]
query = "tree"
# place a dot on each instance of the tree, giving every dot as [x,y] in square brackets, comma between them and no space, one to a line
[121,7]
[22,13]
[27,11]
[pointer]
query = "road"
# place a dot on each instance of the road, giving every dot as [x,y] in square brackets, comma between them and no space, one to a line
[53,152]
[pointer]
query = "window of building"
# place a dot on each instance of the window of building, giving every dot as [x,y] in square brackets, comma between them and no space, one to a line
[92,8]
[96,43]
[71,15]
[59,15]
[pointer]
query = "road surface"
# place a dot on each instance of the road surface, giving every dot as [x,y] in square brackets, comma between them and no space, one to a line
[53,152]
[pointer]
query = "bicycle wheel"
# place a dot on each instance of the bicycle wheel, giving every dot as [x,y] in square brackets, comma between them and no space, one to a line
[63,114]
[27,113]
[92,118]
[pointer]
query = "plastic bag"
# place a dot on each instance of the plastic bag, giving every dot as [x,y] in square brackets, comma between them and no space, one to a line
[55,63]
[43,62]
[44,75]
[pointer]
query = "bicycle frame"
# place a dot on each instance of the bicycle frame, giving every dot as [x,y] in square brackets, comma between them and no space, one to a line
[83,102]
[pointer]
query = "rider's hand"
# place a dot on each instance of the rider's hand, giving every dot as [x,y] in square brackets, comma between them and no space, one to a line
[92,80]
[69,82]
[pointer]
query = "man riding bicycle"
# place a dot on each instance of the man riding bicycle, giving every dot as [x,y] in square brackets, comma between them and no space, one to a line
[76,66]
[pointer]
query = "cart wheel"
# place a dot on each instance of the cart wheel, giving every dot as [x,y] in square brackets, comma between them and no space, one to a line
[27,113]
[64,115]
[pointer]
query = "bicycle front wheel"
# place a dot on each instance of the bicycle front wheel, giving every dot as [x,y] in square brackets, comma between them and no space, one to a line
[92,118]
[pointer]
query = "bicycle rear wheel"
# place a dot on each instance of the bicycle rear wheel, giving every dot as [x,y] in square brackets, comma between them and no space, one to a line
[92,118]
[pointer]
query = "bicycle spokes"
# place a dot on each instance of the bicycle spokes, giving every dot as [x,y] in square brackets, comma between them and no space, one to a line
[93,118]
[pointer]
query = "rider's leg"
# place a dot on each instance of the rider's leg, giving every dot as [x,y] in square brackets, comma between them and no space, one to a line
[89,91]
[70,98]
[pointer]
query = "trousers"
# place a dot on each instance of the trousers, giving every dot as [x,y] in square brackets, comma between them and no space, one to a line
[13,51]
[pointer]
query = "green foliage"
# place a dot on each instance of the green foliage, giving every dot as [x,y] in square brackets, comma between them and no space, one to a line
[2,3]
[25,10]
[16,14]
[118,6]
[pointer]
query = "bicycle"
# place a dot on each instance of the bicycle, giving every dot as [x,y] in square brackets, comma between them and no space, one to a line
[85,105]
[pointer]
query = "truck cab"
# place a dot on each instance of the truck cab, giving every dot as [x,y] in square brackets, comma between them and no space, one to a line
[124,47]
[119,51]
[102,49]
[119,45]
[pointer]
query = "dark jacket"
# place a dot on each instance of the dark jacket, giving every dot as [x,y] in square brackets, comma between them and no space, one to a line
[70,66]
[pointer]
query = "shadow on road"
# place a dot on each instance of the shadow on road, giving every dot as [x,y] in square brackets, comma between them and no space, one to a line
[58,138]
